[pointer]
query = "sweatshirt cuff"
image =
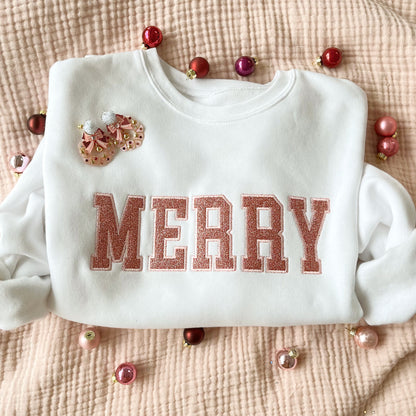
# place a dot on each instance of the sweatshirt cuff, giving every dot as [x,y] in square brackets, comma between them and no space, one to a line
[22,299]
[386,286]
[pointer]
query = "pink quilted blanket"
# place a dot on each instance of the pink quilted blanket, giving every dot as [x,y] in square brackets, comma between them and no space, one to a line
[43,371]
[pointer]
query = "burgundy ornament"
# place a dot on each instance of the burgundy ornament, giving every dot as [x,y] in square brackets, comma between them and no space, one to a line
[364,336]
[385,126]
[386,147]
[89,338]
[330,58]
[198,68]
[125,374]
[152,37]
[36,123]
[193,336]
[245,65]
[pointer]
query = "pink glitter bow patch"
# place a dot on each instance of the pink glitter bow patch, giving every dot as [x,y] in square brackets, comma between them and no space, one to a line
[98,149]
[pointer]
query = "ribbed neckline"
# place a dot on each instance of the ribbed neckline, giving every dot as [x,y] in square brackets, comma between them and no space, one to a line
[170,82]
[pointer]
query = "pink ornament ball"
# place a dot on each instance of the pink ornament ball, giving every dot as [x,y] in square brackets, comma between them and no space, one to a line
[89,338]
[387,147]
[125,373]
[366,337]
[385,126]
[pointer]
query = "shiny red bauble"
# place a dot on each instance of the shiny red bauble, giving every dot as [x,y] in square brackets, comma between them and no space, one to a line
[198,68]
[36,123]
[193,336]
[385,126]
[331,57]
[386,147]
[152,37]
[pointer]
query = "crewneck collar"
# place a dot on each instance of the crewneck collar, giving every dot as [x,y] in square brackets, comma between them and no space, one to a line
[175,89]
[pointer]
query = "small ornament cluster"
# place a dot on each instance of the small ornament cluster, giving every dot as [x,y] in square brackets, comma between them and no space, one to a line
[388,145]
[98,148]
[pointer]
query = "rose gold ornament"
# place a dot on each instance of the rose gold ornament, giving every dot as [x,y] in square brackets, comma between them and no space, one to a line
[287,358]
[89,338]
[364,336]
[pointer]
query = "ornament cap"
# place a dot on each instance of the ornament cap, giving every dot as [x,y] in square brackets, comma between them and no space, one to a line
[318,61]
[191,74]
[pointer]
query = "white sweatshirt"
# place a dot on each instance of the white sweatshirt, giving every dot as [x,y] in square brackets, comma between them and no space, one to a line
[245,204]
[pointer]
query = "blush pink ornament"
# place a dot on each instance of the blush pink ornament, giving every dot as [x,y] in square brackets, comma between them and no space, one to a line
[18,163]
[89,338]
[365,337]
[125,374]
[385,126]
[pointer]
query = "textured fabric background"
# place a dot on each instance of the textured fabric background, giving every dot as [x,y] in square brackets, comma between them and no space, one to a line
[42,369]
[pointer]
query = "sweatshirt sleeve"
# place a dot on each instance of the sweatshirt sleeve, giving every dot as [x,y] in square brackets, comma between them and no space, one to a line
[24,271]
[386,273]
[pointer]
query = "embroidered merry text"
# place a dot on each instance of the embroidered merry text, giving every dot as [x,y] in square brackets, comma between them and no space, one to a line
[118,241]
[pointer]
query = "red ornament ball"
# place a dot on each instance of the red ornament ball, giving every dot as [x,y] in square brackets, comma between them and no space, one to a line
[198,68]
[193,336]
[125,373]
[152,37]
[36,123]
[386,147]
[331,57]
[385,126]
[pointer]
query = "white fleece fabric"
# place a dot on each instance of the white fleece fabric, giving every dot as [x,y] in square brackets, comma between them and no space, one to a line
[269,215]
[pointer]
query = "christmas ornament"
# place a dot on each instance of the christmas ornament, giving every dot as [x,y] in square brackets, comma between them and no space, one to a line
[152,37]
[287,358]
[125,374]
[364,336]
[89,338]
[386,126]
[388,145]
[198,68]
[18,163]
[245,65]
[36,123]
[330,58]
[193,336]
